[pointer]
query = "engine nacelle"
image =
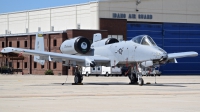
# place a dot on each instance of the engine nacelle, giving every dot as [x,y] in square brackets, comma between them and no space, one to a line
[76,45]
[104,42]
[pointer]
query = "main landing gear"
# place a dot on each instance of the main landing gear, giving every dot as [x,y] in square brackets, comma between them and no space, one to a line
[78,78]
[136,79]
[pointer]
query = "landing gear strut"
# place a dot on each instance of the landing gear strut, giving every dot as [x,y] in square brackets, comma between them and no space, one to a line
[140,79]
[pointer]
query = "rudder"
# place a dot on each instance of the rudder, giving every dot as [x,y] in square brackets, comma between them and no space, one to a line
[39,46]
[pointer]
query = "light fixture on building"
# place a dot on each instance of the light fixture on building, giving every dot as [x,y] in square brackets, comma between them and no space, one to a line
[39,28]
[78,26]
[27,30]
[52,28]
[138,2]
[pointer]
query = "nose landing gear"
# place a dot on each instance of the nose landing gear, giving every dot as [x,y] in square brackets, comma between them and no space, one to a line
[136,75]
[140,81]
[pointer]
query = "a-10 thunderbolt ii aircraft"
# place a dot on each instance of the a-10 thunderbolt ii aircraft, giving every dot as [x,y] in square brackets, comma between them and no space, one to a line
[139,52]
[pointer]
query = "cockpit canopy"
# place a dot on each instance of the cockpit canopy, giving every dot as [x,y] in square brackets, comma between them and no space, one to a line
[144,40]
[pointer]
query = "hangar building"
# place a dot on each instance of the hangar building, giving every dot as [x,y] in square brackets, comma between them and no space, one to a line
[173,24]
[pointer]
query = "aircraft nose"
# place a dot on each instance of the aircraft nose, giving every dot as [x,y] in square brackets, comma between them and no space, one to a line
[164,56]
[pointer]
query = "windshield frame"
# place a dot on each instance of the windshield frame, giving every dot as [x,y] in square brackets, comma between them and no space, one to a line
[144,40]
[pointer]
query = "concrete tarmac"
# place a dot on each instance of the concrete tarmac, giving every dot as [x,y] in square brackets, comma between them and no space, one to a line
[39,93]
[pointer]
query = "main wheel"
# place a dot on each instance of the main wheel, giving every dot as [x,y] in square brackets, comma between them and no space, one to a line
[78,78]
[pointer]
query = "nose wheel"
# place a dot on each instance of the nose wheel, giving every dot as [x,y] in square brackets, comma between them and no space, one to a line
[141,81]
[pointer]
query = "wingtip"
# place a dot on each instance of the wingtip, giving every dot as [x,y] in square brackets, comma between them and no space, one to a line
[2,50]
[6,50]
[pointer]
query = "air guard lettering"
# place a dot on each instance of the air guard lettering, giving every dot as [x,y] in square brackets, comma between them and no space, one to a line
[119,15]
[132,16]
[145,16]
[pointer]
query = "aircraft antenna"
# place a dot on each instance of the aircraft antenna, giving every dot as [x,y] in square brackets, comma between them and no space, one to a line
[65,80]
[155,78]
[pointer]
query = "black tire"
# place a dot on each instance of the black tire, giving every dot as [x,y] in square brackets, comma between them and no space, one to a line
[78,78]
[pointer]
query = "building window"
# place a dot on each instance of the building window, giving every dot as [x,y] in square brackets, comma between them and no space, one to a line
[3,45]
[10,64]
[18,64]
[10,44]
[25,44]
[25,65]
[35,65]
[18,43]
[42,66]
[54,65]
[54,42]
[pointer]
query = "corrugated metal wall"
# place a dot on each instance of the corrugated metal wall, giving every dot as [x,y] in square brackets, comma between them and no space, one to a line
[172,37]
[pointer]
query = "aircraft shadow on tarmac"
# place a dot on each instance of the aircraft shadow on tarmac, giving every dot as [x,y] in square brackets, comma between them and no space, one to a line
[119,83]
[183,83]
[96,83]
[165,85]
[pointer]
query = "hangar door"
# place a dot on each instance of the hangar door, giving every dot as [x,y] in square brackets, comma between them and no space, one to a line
[172,37]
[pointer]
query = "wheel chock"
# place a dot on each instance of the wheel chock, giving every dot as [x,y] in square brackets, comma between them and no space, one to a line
[148,83]
[77,83]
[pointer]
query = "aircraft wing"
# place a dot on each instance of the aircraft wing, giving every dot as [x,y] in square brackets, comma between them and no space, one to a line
[182,55]
[86,60]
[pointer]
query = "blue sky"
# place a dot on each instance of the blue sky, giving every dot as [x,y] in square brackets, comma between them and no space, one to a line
[21,5]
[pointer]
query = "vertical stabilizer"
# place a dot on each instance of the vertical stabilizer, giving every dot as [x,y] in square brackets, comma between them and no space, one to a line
[96,37]
[39,46]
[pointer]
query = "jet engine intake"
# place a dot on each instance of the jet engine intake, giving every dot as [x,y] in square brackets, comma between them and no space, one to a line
[76,45]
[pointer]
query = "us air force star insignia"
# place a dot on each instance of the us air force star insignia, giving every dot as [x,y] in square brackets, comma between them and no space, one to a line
[120,51]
